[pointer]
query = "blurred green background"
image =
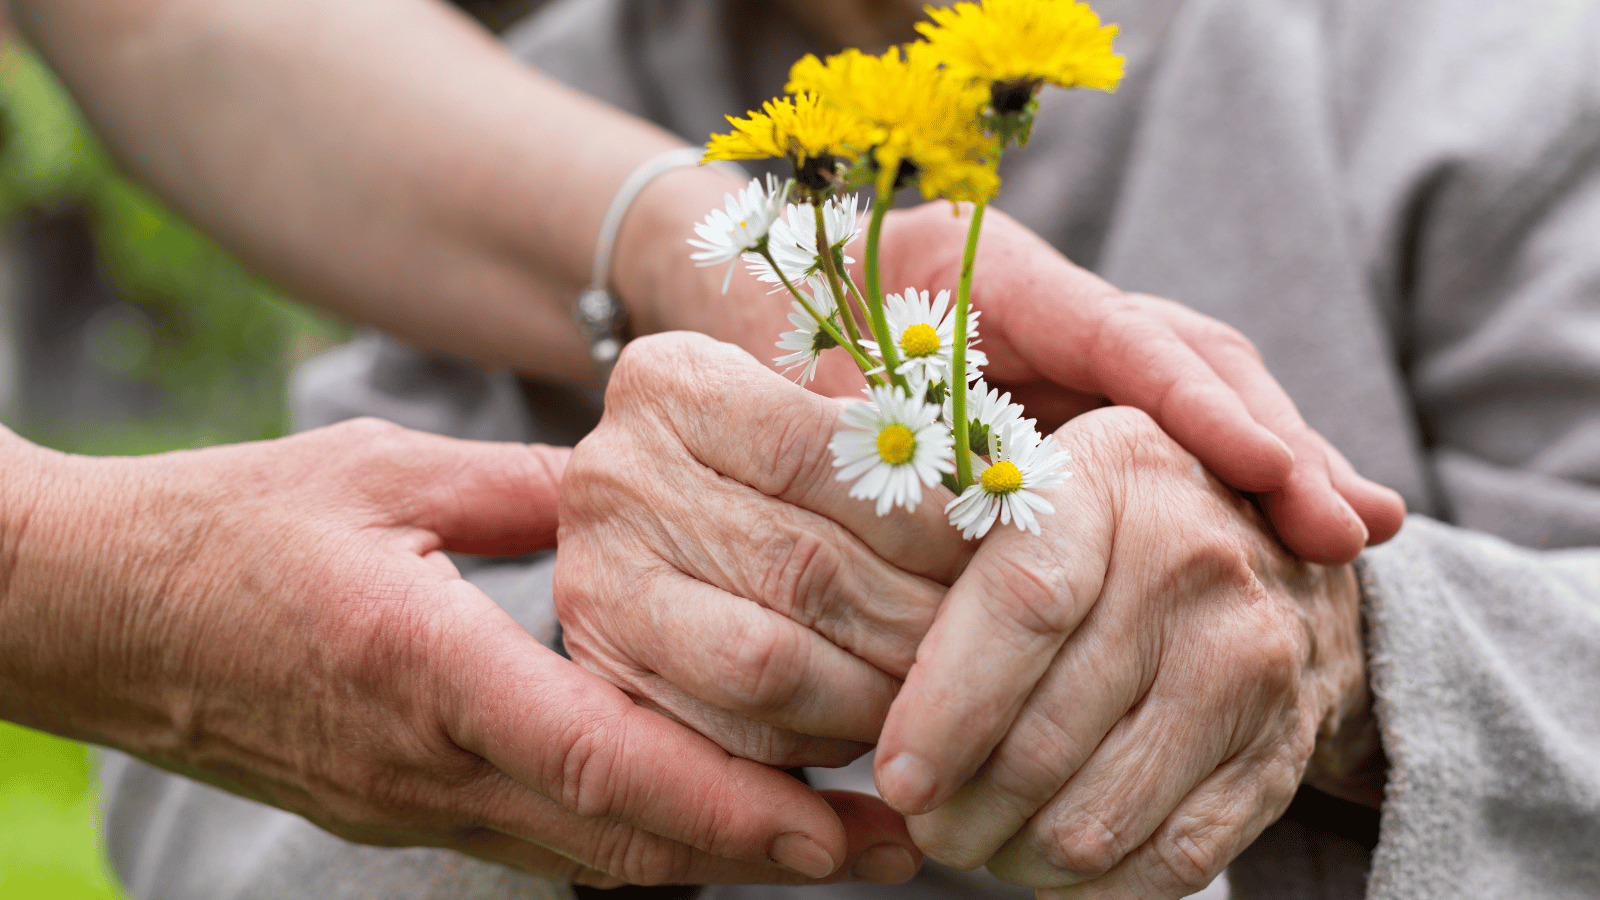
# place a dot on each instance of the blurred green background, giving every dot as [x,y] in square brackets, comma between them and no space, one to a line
[122,331]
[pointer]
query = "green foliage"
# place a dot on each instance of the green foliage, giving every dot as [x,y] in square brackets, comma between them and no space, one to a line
[213,339]
[47,821]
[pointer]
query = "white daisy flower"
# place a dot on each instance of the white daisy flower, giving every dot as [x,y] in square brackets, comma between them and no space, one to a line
[893,446]
[989,412]
[740,228]
[924,333]
[792,239]
[1023,464]
[808,340]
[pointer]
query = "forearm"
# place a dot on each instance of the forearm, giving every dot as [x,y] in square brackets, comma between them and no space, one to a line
[384,159]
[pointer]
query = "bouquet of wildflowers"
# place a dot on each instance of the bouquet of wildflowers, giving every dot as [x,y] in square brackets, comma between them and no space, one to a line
[935,114]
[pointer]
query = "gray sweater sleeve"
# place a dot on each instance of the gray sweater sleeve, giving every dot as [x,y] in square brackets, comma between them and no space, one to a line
[1485,664]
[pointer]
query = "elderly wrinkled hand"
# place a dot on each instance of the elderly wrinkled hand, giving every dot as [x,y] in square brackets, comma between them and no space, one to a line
[713,567]
[1118,706]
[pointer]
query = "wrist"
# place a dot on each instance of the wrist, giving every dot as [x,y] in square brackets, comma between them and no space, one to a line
[82,558]
[42,561]
[661,287]
[1348,760]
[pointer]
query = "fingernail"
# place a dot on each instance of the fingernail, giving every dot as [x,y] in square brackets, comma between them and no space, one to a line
[906,783]
[799,853]
[1287,450]
[1350,512]
[885,864]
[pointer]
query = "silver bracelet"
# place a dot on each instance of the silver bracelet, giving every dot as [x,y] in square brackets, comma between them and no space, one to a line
[599,314]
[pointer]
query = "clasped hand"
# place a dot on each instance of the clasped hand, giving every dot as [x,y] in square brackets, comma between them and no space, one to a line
[1121,703]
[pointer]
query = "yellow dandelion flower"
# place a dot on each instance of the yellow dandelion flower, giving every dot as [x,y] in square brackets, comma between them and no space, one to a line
[1022,43]
[924,120]
[800,128]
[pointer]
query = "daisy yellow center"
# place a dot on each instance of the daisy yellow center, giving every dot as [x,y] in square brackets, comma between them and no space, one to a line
[919,340]
[896,444]
[1000,478]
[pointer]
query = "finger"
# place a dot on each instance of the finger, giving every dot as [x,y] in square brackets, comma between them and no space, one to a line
[569,736]
[1077,702]
[1211,826]
[1116,347]
[1009,613]
[878,848]
[1312,518]
[1145,766]
[1329,512]
[475,496]
[776,441]
[1381,508]
[740,657]
[734,732]
[683,513]
[790,560]
[1042,312]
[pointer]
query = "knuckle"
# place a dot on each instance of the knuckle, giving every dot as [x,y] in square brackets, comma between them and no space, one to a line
[951,849]
[1126,330]
[593,486]
[376,442]
[632,856]
[798,459]
[763,667]
[1034,593]
[1270,655]
[1188,860]
[590,750]
[802,572]
[1217,335]
[768,746]
[1033,767]
[641,358]
[1125,437]
[1224,567]
[649,862]
[1083,846]
[369,428]
[668,364]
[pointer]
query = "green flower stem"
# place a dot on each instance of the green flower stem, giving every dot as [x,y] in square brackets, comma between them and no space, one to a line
[880,325]
[855,291]
[863,361]
[825,254]
[958,363]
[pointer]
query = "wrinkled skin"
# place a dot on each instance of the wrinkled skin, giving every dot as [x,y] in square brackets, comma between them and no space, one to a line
[1154,605]
[278,619]
[1157,671]
[712,566]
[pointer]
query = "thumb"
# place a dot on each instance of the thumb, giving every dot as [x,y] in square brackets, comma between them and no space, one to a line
[493,499]
[571,737]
